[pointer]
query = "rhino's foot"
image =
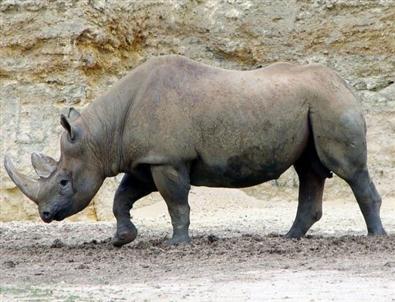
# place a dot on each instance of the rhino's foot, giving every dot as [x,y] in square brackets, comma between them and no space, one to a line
[177,240]
[124,235]
[379,232]
[294,234]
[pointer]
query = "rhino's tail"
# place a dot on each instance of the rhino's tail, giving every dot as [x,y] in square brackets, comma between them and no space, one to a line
[312,156]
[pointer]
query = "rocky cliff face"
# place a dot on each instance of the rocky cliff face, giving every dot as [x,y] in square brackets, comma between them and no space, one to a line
[56,54]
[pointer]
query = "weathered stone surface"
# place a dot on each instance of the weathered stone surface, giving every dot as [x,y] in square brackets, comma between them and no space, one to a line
[60,53]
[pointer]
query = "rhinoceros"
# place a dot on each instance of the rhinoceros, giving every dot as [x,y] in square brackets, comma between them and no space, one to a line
[172,122]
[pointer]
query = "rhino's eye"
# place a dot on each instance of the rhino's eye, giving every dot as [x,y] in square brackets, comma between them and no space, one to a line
[64,182]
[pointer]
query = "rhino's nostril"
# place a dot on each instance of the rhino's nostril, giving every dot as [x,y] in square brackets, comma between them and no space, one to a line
[46,215]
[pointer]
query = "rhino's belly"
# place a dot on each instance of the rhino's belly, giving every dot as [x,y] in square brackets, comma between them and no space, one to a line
[243,170]
[250,157]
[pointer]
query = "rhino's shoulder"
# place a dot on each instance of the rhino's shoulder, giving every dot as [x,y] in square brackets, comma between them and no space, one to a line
[316,68]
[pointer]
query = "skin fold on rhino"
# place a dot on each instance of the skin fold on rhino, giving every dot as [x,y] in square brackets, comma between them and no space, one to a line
[172,123]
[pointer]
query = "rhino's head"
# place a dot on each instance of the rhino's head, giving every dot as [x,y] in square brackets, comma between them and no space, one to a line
[67,186]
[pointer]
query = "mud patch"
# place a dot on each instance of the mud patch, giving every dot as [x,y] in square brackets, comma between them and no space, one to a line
[237,254]
[153,270]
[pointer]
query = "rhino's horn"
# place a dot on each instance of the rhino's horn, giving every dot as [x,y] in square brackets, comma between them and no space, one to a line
[28,186]
[44,165]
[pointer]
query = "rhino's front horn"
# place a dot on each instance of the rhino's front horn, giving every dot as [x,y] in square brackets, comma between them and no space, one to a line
[28,186]
[44,165]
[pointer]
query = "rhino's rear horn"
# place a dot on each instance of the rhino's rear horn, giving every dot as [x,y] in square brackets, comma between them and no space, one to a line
[44,165]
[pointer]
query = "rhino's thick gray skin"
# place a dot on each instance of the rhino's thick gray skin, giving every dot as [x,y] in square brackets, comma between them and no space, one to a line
[173,122]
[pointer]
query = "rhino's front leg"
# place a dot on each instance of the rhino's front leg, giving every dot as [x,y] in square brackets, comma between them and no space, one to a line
[129,191]
[173,184]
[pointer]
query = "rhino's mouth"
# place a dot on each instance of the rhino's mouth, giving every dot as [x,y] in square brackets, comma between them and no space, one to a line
[46,219]
[59,215]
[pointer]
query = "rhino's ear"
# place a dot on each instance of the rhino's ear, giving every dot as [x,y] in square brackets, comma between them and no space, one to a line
[72,114]
[68,127]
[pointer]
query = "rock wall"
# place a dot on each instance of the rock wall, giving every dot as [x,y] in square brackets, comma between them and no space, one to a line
[54,54]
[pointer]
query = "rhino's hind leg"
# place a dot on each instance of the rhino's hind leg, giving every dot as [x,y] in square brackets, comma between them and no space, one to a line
[340,141]
[128,192]
[312,175]
[173,184]
[369,201]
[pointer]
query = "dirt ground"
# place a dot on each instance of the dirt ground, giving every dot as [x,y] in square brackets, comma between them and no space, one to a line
[237,254]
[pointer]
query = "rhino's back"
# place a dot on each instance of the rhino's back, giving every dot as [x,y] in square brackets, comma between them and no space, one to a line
[253,132]
[236,128]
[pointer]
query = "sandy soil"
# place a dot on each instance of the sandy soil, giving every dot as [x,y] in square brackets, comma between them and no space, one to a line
[237,254]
